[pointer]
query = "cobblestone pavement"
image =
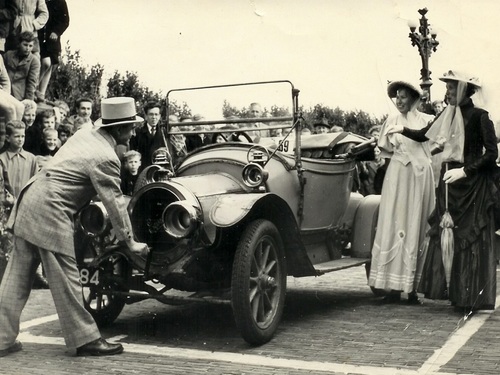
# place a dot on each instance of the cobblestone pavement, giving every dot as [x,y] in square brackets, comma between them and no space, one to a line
[332,324]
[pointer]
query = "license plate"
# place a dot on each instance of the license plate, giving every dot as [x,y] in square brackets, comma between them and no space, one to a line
[89,276]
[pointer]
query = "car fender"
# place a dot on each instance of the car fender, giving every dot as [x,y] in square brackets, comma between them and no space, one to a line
[355,200]
[229,209]
[235,209]
[365,226]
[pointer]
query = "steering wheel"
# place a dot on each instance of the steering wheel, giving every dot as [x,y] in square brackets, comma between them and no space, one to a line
[235,137]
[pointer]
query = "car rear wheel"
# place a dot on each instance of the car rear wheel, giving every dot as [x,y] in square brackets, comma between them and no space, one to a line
[258,282]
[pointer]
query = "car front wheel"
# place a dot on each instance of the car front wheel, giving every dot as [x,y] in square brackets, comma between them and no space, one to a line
[98,287]
[258,285]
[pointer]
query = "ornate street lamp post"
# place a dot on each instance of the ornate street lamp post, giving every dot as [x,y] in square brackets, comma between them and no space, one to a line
[425,40]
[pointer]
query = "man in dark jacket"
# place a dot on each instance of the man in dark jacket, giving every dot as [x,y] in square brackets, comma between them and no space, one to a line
[50,42]
[8,12]
[147,139]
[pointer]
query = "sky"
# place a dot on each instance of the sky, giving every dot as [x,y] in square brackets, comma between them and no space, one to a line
[339,53]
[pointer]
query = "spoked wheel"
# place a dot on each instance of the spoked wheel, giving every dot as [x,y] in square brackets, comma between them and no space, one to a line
[98,284]
[258,282]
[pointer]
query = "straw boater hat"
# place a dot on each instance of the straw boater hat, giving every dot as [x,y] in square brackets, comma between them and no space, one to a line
[118,111]
[394,86]
[453,75]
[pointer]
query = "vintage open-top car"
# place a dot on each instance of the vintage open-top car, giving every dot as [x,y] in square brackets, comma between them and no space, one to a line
[228,222]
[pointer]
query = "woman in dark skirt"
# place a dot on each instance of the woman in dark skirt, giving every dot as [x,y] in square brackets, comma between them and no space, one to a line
[469,152]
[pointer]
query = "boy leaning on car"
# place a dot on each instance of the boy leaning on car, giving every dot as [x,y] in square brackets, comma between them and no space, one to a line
[42,222]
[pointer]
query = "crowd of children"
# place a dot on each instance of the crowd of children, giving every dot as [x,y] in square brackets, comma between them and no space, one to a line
[30,45]
[30,48]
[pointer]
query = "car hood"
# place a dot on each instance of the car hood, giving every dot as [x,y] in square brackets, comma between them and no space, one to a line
[210,184]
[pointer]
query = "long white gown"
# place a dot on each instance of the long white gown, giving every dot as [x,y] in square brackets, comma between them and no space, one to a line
[407,200]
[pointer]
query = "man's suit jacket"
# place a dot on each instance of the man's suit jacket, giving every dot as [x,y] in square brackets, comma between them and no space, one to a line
[84,166]
[58,23]
[146,144]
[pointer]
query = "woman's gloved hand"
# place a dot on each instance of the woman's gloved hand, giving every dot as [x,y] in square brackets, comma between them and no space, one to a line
[453,175]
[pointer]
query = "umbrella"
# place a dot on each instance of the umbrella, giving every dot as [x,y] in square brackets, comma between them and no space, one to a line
[447,241]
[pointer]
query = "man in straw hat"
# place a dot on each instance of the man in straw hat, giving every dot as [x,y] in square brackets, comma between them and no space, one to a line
[465,192]
[42,221]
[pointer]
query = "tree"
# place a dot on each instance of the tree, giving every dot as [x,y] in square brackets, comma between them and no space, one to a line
[357,121]
[129,85]
[72,80]
[334,116]
[279,111]
[180,110]
[229,110]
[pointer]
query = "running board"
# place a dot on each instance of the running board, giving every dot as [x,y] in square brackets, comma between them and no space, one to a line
[132,297]
[339,264]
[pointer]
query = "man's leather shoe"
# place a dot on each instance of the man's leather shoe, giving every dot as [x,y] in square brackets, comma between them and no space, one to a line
[40,281]
[17,346]
[99,347]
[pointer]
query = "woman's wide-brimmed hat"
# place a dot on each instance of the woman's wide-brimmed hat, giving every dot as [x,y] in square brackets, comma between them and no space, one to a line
[394,86]
[118,111]
[453,75]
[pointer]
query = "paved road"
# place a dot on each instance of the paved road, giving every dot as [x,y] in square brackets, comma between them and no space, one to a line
[332,324]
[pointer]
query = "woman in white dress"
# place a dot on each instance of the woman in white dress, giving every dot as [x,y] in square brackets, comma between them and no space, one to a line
[407,200]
